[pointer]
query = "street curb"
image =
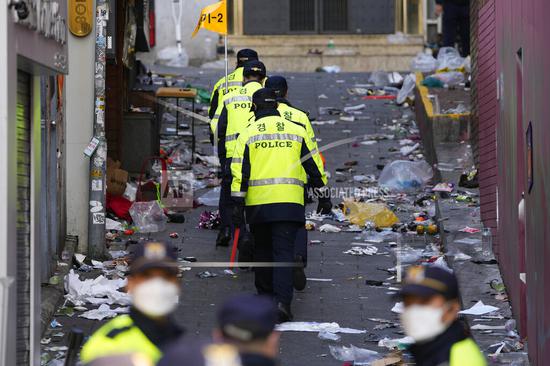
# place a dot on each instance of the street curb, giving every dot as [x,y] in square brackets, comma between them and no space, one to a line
[52,295]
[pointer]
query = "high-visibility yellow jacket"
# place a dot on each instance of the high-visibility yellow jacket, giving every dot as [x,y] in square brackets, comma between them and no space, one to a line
[234,81]
[272,161]
[466,352]
[119,336]
[235,115]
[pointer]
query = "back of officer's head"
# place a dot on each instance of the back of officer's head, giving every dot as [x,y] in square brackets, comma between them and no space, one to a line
[153,281]
[278,84]
[248,322]
[245,55]
[254,70]
[264,99]
[190,352]
[431,301]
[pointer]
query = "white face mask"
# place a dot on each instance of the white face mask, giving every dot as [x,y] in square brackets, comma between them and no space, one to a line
[156,297]
[422,322]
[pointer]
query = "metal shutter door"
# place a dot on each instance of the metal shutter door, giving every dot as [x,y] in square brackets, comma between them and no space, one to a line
[334,16]
[266,17]
[371,16]
[23,283]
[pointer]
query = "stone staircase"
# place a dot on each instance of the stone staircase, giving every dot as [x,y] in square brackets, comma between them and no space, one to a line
[352,53]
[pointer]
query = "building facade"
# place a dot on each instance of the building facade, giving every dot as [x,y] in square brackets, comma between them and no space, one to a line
[33,51]
[511,80]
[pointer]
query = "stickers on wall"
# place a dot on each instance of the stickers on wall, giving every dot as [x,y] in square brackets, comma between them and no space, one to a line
[97,185]
[92,146]
[98,218]
[96,206]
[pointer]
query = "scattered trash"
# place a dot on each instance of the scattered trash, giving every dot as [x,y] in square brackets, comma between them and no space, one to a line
[209,220]
[469,241]
[407,150]
[405,176]
[450,78]
[210,198]
[448,59]
[369,250]
[99,290]
[55,324]
[398,308]
[206,274]
[149,217]
[331,69]
[103,312]
[396,343]
[459,109]
[479,309]
[316,327]
[407,89]
[424,62]
[328,228]
[111,224]
[326,335]
[443,187]
[359,356]
[469,230]
[319,279]
[359,213]
[354,108]
[383,78]
[174,235]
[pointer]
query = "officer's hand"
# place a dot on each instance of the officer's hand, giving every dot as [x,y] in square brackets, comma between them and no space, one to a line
[211,136]
[237,215]
[324,207]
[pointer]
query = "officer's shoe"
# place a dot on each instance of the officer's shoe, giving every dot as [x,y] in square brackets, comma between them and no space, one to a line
[284,314]
[299,276]
[224,237]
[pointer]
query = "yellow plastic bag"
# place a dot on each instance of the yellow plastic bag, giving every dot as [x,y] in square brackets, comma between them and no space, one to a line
[358,213]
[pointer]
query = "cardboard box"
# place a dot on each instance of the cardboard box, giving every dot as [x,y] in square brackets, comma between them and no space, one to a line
[116,178]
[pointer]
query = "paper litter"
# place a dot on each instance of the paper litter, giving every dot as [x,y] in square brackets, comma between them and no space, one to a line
[316,327]
[328,228]
[479,309]
[111,224]
[368,250]
[396,343]
[99,290]
[103,312]
[328,336]
[398,308]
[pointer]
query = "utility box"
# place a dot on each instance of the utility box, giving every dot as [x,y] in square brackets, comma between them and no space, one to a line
[140,140]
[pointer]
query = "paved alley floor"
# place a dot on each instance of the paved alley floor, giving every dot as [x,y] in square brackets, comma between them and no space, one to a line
[336,291]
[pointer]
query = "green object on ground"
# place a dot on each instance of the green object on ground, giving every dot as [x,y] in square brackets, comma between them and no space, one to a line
[431,82]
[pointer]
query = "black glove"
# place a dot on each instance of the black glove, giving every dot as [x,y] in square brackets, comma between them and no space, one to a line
[324,207]
[237,215]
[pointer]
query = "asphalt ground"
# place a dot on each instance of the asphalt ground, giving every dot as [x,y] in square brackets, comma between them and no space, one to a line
[343,297]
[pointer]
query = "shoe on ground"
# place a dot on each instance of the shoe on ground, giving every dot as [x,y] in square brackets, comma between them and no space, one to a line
[284,313]
[298,275]
[224,237]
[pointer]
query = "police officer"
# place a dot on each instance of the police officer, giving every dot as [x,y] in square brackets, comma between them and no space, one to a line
[189,352]
[248,323]
[270,166]
[290,113]
[234,80]
[234,115]
[431,299]
[154,288]
[456,19]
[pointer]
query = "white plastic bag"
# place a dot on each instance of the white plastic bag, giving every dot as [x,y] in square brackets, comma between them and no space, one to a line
[405,176]
[449,58]
[407,89]
[149,217]
[170,56]
[423,63]
[210,198]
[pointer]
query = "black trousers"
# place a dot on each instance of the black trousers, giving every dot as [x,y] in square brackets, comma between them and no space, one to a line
[274,243]
[456,21]
[226,204]
[300,245]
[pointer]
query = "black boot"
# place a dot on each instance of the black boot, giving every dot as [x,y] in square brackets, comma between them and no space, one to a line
[285,315]
[298,274]
[224,237]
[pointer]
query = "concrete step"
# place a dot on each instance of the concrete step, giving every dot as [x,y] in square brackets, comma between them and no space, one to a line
[350,52]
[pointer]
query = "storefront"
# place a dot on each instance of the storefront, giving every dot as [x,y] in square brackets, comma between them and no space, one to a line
[33,49]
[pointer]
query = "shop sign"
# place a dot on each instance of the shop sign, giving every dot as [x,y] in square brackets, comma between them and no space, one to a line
[44,17]
[80,17]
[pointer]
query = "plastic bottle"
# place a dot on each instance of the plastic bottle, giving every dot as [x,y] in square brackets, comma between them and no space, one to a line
[331,43]
[487,242]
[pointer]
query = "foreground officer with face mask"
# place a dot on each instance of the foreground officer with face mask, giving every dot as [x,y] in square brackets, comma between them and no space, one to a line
[273,159]
[431,299]
[154,288]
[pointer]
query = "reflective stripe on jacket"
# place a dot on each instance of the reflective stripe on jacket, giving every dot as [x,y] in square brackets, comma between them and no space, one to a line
[234,81]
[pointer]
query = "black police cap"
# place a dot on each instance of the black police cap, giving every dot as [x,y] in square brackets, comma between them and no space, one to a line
[245,55]
[254,68]
[247,317]
[278,84]
[430,280]
[264,98]
[153,255]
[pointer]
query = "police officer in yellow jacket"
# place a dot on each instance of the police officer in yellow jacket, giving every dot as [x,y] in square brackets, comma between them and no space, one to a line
[291,113]
[234,80]
[154,288]
[431,304]
[234,115]
[272,161]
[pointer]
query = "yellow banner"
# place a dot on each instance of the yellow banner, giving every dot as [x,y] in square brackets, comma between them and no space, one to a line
[214,18]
